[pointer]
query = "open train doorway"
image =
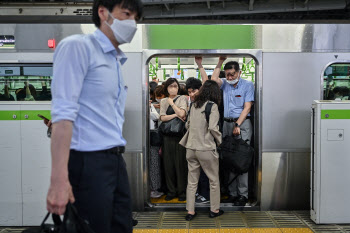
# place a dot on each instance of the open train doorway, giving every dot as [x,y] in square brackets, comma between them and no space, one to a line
[162,65]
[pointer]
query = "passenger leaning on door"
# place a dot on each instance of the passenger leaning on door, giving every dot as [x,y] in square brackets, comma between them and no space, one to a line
[174,155]
[238,100]
[200,142]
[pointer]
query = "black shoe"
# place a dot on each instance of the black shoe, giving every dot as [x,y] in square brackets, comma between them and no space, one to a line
[169,197]
[230,199]
[214,215]
[240,201]
[134,222]
[189,217]
[182,198]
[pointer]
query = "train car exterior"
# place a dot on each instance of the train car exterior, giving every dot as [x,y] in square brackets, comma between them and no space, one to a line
[291,60]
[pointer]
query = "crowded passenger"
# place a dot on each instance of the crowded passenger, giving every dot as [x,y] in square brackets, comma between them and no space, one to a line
[154,159]
[174,155]
[200,141]
[28,93]
[202,196]
[45,94]
[6,96]
[238,100]
[158,96]
[341,93]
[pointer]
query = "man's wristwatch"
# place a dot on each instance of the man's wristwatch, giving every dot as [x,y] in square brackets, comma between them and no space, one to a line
[237,125]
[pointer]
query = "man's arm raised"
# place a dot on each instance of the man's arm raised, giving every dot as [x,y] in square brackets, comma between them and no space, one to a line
[216,73]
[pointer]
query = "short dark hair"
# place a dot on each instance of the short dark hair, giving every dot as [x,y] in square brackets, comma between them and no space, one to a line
[222,74]
[159,90]
[168,83]
[152,86]
[183,90]
[135,6]
[193,83]
[232,65]
[210,91]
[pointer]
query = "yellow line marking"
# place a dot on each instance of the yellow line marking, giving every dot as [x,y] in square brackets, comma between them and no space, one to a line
[265,230]
[235,230]
[145,231]
[173,231]
[204,231]
[227,230]
[296,230]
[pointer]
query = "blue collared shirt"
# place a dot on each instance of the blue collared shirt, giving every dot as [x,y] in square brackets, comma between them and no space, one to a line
[235,97]
[88,89]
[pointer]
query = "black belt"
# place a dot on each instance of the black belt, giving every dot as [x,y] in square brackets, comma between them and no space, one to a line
[118,150]
[230,119]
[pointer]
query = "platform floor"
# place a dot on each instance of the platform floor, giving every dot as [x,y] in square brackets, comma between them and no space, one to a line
[230,222]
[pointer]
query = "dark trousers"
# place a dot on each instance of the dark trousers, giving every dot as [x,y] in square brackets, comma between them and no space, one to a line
[101,190]
[203,185]
[175,166]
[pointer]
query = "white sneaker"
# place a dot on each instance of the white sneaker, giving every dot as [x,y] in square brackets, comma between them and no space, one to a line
[155,194]
[201,200]
[159,193]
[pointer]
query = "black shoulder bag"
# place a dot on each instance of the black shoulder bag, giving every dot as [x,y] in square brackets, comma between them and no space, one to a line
[174,127]
[237,155]
[71,223]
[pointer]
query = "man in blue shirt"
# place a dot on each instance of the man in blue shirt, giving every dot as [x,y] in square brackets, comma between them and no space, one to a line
[238,100]
[88,100]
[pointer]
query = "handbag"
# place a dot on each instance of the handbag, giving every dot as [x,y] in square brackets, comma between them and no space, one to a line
[174,127]
[236,155]
[71,223]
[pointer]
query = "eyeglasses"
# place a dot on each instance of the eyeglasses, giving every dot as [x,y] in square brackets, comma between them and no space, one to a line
[232,74]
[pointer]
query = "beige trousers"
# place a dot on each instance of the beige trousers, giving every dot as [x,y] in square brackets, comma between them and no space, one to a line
[209,161]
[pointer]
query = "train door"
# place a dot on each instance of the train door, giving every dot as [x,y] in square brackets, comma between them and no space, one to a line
[180,64]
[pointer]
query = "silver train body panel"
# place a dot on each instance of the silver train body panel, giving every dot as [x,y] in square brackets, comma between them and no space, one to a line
[283,100]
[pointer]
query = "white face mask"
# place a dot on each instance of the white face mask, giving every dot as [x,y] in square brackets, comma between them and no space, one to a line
[158,100]
[232,82]
[123,30]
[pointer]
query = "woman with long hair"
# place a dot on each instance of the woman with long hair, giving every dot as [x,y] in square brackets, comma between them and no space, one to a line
[200,141]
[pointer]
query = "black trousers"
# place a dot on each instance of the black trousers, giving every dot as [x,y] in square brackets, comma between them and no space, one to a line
[175,166]
[203,185]
[101,190]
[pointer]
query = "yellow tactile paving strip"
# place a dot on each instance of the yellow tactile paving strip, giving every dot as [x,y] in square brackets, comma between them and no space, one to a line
[296,230]
[162,200]
[227,230]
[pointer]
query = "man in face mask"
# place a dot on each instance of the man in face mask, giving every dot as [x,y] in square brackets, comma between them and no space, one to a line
[238,99]
[88,101]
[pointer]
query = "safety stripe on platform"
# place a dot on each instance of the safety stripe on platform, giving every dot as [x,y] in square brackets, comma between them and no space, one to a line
[227,230]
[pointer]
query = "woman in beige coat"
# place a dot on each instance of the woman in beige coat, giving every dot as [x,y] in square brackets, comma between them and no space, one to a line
[200,142]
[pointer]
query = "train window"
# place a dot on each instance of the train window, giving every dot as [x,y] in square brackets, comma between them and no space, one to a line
[25,83]
[336,82]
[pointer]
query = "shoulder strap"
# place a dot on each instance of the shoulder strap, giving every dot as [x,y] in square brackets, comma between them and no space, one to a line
[207,110]
[170,110]
[189,110]
[176,98]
